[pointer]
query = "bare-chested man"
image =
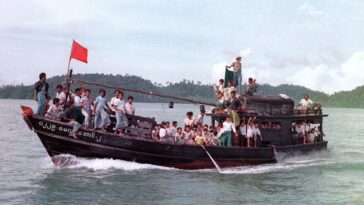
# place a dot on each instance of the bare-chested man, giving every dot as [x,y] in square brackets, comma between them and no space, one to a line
[237,73]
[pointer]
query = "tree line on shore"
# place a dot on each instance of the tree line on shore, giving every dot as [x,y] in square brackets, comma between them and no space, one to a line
[185,88]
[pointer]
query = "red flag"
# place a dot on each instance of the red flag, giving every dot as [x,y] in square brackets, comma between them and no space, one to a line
[78,52]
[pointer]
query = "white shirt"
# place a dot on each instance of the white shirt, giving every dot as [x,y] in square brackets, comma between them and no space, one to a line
[61,96]
[227,92]
[307,128]
[256,131]
[129,108]
[300,130]
[53,110]
[200,119]
[250,132]
[162,132]
[77,100]
[172,130]
[243,130]
[188,121]
[120,104]
[228,126]
[306,103]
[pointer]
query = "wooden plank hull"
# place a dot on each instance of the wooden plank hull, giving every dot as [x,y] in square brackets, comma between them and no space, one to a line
[94,144]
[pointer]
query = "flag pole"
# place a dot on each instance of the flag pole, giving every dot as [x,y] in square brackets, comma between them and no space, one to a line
[68,77]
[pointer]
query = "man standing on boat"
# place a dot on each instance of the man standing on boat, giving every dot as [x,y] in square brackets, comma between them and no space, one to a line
[41,94]
[237,73]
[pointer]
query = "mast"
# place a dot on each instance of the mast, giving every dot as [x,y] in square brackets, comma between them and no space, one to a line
[144,92]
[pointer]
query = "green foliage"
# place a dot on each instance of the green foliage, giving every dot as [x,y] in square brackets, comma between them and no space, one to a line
[186,89]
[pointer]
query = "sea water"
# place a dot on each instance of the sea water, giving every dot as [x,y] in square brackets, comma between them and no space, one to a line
[27,175]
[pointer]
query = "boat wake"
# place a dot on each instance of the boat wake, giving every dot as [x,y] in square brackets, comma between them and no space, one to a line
[284,164]
[73,162]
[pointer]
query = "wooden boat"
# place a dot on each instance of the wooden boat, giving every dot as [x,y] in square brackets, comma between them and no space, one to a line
[137,145]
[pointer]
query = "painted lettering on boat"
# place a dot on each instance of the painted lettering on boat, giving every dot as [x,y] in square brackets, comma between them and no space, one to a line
[53,127]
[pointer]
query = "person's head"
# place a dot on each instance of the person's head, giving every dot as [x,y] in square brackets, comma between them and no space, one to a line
[256,125]
[306,96]
[199,132]
[242,123]
[164,124]
[116,93]
[220,95]
[55,101]
[228,119]
[194,128]
[156,127]
[121,94]
[78,91]
[232,94]
[174,123]
[168,123]
[203,112]
[102,92]
[221,81]
[179,130]
[250,80]
[230,83]
[206,126]
[238,58]
[130,99]
[189,114]
[42,77]
[187,128]
[88,92]
[59,88]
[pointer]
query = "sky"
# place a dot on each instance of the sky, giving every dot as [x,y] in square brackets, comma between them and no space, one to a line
[316,44]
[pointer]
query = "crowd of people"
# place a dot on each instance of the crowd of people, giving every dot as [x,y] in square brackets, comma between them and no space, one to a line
[81,109]
[194,131]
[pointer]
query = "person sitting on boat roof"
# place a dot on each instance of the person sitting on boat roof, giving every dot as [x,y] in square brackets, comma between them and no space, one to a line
[53,111]
[41,94]
[71,114]
[233,103]
[189,120]
[219,87]
[251,87]
[225,136]
[228,90]
[86,103]
[129,106]
[60,95]
[306,103]
[101,117]
[237,73]
[119,106]
[221,103]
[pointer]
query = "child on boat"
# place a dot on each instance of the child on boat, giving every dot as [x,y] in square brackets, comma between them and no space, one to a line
[119,106]
[200,138]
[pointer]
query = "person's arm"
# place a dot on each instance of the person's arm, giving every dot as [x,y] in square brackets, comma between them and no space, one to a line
[229,66]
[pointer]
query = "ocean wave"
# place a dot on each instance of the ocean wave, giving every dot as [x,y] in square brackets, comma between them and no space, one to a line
[73,162]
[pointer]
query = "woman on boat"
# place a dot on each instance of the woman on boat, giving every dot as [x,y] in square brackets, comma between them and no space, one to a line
[225,136]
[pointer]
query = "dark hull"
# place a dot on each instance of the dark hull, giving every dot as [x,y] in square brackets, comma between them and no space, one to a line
[93,144]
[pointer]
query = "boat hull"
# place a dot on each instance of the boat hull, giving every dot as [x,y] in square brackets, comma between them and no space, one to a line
[55,137]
